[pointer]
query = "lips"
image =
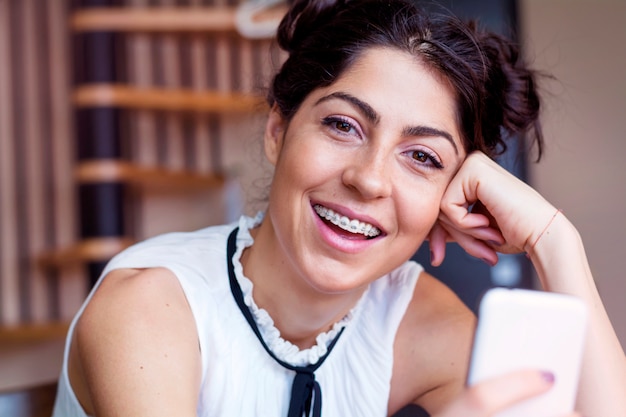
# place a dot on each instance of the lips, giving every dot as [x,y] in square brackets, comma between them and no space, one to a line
[353,226]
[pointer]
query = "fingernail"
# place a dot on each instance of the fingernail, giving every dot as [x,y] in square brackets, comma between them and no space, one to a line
[432,257]
[488,262]
[548,376]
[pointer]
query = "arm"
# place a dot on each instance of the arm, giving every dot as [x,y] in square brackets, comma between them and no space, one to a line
[135,351]
[511,217]
[433,341]
[561,264]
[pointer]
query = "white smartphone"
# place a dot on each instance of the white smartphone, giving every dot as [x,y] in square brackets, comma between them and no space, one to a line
[528,329]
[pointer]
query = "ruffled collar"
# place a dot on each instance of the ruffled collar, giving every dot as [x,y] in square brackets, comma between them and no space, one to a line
[283,349]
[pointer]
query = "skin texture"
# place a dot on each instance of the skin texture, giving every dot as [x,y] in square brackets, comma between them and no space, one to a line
[135,350]
[380,145]
[517,219]
[370,168]
[360,168]
[480,401]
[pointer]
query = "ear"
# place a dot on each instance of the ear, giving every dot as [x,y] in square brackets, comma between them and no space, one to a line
[274,134]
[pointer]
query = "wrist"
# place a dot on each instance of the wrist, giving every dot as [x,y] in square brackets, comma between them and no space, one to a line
[545,231]
[559,233]
[559,258]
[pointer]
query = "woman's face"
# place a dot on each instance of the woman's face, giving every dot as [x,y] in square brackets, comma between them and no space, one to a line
[360,170]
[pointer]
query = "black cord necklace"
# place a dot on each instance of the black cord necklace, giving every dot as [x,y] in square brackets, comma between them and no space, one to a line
[305,390]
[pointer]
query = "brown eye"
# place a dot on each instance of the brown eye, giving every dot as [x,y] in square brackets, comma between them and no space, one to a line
[343,126]
[420,156]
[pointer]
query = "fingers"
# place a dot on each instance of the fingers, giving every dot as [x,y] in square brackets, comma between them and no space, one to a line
[480,242]
[464,217]
[502,392]
[488,234]
[491,206]
[476,247]
[437,242]
[489,397]
[487,210]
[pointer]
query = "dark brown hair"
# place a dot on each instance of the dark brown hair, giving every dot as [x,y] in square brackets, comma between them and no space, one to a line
[496,92]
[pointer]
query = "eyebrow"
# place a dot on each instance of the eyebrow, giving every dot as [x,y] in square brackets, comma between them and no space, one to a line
[365,109]
[422,131]
[371,115]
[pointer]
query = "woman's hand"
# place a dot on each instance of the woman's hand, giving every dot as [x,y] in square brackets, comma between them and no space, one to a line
[489,397]
[506,214]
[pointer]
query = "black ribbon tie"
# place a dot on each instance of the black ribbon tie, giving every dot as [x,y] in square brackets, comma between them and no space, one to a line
[305,390]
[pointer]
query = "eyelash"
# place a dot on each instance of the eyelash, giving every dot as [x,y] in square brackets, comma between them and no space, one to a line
[430,156]
[331,120]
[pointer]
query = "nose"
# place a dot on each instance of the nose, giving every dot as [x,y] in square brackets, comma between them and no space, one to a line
[368,173]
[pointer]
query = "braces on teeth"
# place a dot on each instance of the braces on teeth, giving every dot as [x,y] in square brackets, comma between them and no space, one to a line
[353,226]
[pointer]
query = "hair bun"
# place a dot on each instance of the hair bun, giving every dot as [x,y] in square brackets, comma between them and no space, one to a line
[303,17]
[511,95]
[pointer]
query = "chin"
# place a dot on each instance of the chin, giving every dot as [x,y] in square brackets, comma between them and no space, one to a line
[339,281]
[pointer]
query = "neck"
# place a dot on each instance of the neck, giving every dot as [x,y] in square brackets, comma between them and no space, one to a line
[299,311]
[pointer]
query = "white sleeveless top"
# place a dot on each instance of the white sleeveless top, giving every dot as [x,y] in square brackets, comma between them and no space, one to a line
[239,378]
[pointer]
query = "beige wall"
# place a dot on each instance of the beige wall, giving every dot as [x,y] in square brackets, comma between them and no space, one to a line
[581,42]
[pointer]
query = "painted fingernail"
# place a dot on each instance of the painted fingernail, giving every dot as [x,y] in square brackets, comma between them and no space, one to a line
[548,376]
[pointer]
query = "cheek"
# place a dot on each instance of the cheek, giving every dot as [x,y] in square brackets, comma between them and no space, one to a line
[418,211]
[306,160]
[298,169]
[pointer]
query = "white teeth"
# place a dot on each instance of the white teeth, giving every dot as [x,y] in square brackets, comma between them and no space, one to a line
[344,222]
[353,226]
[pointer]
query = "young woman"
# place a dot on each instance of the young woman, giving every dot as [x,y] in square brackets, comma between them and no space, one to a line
[382,124]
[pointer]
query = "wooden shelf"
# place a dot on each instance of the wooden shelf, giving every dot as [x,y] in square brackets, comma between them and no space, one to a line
[113,170]
[154,19]
[88,250]
[119,95]
[33,332]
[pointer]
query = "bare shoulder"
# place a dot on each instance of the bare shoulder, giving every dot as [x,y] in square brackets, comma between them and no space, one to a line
[432,347]
[135,347]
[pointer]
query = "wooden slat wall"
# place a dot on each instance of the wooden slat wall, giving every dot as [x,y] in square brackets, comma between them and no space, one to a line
[196,141]
[38,208]
[37,201]
[9,286]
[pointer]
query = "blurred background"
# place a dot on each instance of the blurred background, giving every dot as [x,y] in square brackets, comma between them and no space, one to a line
[120,120]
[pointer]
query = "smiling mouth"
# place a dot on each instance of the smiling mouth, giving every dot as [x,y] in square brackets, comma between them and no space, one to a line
[345,223]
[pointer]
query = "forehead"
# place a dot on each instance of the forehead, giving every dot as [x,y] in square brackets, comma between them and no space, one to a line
[399,85]
[389,68]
